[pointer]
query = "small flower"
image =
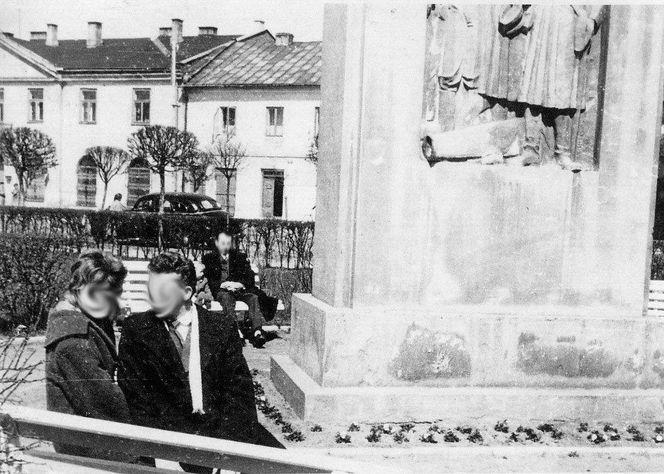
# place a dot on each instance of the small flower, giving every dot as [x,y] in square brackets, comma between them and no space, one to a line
[342,439]
[435,429]
[287,428]
[475,437]
[502,427]
[387,428]
[658,438]
[451,437]
[407,427]
[514,437]
[596,437]
[583,427]
[354,427]
[316,428]
[546,427]
[400,437]
[429,438]
[374,436]
[295,436]
[465,429]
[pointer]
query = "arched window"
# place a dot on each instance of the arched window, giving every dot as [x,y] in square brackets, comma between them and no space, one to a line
[138,182]
[86,182]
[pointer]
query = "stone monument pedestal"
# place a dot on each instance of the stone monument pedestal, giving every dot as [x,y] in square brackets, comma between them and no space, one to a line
[468,291]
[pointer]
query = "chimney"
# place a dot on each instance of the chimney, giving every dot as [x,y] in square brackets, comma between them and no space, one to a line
[207,31]
[259,25]
[94,34]
[51,35]
[176,31]
[8,35]
[165,31]
[37,36]
[283,39]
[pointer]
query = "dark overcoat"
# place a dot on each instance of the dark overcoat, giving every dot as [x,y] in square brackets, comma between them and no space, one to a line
[81,364]
[156,384]
[239,270]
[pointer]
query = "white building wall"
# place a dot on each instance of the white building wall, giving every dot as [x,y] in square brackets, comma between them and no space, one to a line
[287,153]
[62,122]
[19,77]
[113,127]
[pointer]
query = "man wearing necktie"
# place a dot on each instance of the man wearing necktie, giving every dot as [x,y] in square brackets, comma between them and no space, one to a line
[182,369]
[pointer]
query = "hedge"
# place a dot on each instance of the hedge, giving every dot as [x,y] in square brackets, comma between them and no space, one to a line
[268,242]
[34,271]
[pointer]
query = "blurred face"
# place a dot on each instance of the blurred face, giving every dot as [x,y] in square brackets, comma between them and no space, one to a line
[224,243]
[167,293]
[99,303]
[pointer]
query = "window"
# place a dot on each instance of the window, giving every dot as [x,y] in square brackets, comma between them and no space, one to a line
[316,121]
[275,122]
[37,187]
[224,122]
[138,182]
[88,105]
[141,106]
[273,193]
[36,105]
[2,105]
[148,204]
[86,183]
[226,189]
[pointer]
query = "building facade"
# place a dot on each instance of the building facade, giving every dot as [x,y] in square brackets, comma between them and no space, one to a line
[97,92]
[265,93]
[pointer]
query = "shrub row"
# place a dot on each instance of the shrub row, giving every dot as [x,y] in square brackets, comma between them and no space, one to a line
[268,242]
[34,270]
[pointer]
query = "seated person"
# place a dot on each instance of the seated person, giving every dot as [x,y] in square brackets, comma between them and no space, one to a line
[181,369]
[231,279]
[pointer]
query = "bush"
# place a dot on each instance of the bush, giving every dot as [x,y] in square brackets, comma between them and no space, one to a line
[34,272]
[268,242]
[283,282]
[657,264]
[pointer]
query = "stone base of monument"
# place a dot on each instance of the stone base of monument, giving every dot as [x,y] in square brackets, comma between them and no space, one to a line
[462,363]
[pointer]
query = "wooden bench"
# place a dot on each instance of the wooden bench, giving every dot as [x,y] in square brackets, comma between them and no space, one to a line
[135,292]
[141,441]
[656,298]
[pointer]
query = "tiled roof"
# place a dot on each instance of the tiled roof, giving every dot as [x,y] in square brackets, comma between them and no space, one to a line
[138,54]
[258,61]
[193,45]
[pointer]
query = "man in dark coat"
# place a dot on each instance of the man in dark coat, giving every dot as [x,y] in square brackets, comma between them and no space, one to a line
[231,279]
[156,374]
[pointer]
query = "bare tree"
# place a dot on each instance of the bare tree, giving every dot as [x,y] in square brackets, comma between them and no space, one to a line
[197,170]
[229,156]
[18,362]
[165,149]
[110,162]
[312,152]
[30,152]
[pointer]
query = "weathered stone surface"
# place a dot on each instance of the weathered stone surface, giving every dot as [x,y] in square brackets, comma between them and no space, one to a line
[538,275]
[468,345]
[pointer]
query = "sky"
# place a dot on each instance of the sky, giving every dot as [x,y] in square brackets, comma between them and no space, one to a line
[142,18]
